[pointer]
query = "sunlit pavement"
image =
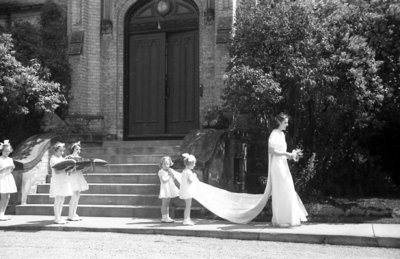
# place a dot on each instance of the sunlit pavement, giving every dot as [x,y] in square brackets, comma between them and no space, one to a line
[365,234]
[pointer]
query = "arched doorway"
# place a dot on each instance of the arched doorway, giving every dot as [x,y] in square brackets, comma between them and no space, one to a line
[161,88]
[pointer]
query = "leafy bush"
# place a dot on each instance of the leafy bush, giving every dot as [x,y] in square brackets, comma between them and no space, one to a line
[214,117]
[55,44]
[47,44]
[322,66]
[23,93]
[40,55]
[251,91]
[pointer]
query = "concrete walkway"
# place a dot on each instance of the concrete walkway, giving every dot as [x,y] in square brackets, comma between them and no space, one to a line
[366,234]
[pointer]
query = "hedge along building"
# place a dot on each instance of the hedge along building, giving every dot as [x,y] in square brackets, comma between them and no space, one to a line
[147,68]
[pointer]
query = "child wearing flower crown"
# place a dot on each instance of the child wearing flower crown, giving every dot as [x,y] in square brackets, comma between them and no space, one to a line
[7,182]
[188,185]
[60,186]
[168,188]
[77,182]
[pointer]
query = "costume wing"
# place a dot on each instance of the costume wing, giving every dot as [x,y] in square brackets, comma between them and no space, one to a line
[65,164]
[99,162]
[81,165]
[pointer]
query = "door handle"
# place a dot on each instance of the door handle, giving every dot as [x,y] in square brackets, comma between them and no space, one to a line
[201,90]
[167,91]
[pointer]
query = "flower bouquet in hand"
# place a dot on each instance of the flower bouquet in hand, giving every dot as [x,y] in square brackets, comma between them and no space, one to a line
[297,154]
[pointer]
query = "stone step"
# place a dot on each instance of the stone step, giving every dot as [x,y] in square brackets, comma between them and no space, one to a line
[123,178]
[101,199]
[143,143]
[126,168]
[128,159]
[108,188]
[127,187]
[111,199]
[94,151]
[107,211]
[93,210]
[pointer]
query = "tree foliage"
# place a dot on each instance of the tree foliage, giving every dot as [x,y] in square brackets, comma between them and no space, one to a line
[24,90]
[55,43]
[334,65]
[35,72]
[255,92]
[46,43]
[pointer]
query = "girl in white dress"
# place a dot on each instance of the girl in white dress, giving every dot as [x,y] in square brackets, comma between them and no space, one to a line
[188,186]
[168,188]
[59,183]
[77,182]
[287,208]
[7,182]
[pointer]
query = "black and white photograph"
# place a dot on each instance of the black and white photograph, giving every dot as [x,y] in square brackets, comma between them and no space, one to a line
[201,129]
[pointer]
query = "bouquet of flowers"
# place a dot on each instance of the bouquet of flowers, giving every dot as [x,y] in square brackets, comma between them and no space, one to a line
[297,154]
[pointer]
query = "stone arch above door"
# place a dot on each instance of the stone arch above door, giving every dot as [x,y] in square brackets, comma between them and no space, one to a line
[162,15]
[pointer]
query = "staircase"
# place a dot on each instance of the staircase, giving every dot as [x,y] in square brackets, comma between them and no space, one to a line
[127,187]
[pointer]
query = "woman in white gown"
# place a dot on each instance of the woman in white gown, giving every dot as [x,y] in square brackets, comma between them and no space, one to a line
[287,208]
[241,208]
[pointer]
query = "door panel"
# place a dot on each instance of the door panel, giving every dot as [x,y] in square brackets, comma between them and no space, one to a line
[182,83]
[146,91]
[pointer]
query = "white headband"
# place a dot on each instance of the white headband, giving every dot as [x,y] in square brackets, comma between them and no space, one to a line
[75,144]
[188,157]
[6,143]
[58,144]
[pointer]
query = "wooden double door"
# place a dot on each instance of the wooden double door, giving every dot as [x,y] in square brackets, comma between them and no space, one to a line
[163,85]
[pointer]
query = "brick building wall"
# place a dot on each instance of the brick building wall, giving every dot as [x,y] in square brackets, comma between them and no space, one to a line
[84,16]
[98,71]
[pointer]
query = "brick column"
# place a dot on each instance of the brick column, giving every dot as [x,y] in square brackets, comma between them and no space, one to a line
[86,75]
[224,17]
[214,53]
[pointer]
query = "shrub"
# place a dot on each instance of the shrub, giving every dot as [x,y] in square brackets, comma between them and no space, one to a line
[320,65]
[47,44]
[251,91]
[24,93]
